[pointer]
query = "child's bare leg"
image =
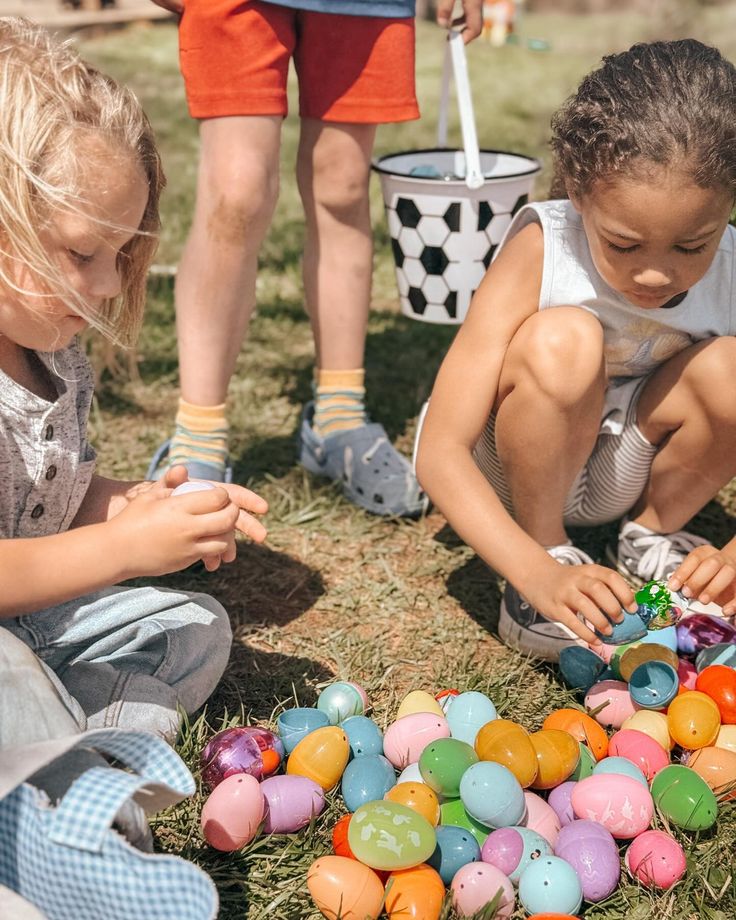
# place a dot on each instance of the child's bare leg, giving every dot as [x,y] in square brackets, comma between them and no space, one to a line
[551,397]
[689,407]
[215,291]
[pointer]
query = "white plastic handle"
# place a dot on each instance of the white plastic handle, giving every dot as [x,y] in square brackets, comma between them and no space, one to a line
[456,62]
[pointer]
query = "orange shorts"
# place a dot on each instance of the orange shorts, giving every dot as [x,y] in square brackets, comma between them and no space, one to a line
[234,57]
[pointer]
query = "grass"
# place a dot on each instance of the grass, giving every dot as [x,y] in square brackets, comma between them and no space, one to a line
[336,593]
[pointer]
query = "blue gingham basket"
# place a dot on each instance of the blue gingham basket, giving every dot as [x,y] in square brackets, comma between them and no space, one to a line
[69,862]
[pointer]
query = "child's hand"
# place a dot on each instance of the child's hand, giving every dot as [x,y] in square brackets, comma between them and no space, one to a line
[596,592]
[707,575]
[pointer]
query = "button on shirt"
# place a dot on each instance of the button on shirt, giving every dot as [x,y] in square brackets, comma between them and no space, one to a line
[46,462]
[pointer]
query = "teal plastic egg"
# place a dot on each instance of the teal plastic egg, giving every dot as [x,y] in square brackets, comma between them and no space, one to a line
[366,778]
[684,798]
[654,684]
[443,762]
[550,885]
[722,653]
[389,836]
[580,668]
[339,701]
[469,712]
[622,766]
[456,847]
[492,794]
[364,736]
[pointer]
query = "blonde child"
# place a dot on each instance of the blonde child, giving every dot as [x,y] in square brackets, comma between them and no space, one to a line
[80,179]
[595,376]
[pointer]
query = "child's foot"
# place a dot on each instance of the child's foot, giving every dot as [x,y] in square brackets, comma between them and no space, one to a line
[197,469]
[642,555]
[525,629]
[370,470]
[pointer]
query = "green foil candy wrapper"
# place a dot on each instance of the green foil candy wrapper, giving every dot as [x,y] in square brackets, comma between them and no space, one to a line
[658,606]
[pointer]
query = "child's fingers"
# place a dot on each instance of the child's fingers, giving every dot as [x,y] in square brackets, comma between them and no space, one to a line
[594,615]
[717,585]
[606,601]
[574,623]
[204,502]
[251,527]
[212,563]
[705,571]
[215,522]
[174,476]
[246,499]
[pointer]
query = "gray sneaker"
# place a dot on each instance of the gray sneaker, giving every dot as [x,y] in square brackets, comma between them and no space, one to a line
[643,555]
[522,627]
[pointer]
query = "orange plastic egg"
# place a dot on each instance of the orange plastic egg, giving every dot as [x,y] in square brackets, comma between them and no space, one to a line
[582,727]
[322,756]
[693,720]
[415,894]
[718,681]
[345,888]
[340,844]
[419,797]
[557,756]
[508,743]
[651,723]
[717,766]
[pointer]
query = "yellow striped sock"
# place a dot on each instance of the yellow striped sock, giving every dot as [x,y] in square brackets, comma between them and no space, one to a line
[200,435]
[339,401]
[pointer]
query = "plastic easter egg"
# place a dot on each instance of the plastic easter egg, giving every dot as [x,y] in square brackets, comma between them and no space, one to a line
[555,916]
[558,754]
[717,766]
[621,804]
[192,485]
[586,764]
[609,702]
[456,847]
[693,720]
[419,797]
[507,743]
[560,800]
[628,630]
[231,751]
[476,885]
[541,817]
[418,701]
[361,693]
[386,835]
[453,813]
[640,749]
[684,798]
[643,652]
[233,812]
[701,630]
[654,684]
[512,849]
[366,779]
[322,756]
[719,682]
[593,853]
[290,803]
[406,738]
[659,606]
[622,766]
[345,888]
[550,883]
[339,701]
[410,774]
[340,844]
[723,653]
[469,712]
[492,795]
[581,727]
[651,723]
[295,724]
[580,667]
[656,859]
[364,736]
[687,673]
[415,894]
[726,737]
[443,763]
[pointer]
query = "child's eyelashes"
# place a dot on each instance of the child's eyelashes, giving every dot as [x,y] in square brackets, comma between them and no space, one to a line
[616,248]
[79,257]
[692,252]
[682,249]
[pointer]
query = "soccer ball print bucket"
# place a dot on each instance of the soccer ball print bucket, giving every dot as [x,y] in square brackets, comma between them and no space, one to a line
[448,209]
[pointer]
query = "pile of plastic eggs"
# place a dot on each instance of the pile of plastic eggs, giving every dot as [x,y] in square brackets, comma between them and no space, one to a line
[452,797]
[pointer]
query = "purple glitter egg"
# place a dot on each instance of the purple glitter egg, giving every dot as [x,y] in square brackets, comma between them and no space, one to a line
[233,750]
[701,630]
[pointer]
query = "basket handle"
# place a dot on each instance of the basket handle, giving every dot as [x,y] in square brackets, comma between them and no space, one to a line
[456,62]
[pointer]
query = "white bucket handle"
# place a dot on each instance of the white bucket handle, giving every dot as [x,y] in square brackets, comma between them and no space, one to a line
[455,60]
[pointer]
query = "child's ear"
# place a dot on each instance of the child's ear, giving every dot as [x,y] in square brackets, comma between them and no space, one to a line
[574,197]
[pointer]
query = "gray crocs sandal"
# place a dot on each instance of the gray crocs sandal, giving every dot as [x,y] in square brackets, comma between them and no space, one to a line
[195,468]
[370,470]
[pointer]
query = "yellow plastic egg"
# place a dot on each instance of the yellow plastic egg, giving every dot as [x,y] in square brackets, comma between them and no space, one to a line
[321,756]
[726,737]
[505,742]
[418,701]
[419,797]
[344,888]
[651,723]
[693,720]
[558,754]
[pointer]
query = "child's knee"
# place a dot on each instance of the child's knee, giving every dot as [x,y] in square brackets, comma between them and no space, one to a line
[208,651]
[241,200]
[712,375]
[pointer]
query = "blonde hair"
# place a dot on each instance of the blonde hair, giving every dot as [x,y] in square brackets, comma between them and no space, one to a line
[53,103]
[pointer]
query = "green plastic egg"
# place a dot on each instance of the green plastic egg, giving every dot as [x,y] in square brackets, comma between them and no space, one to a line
[684,798]
[442,764]
[453,812]
[387,835]
[585,765]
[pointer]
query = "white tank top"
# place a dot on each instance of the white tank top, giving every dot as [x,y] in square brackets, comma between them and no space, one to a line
[636,340]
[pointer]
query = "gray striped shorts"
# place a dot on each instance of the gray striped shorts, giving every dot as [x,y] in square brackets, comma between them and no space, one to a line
[616,472]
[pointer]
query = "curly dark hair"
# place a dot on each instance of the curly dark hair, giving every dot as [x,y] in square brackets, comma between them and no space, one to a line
[664,103]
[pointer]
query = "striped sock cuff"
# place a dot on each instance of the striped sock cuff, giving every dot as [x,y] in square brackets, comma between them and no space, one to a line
[201,435]
[339,401]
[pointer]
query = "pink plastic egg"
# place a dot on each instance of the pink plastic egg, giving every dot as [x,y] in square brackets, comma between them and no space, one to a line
[613,700]
[407,737]
[541,817]
[290,803]
[475,884]
[656,859]
[621,804]
[640,749]
[233,812]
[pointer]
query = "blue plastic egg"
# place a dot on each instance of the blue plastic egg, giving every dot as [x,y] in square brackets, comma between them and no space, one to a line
[628,630]
[721,653]
[580,668]
[653,684]
[469,712]
[621,766]
[366,779]
[295,724]
[492,794]
[456,847]
[340,700]
[550,885]
[364,736]
[666,637]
